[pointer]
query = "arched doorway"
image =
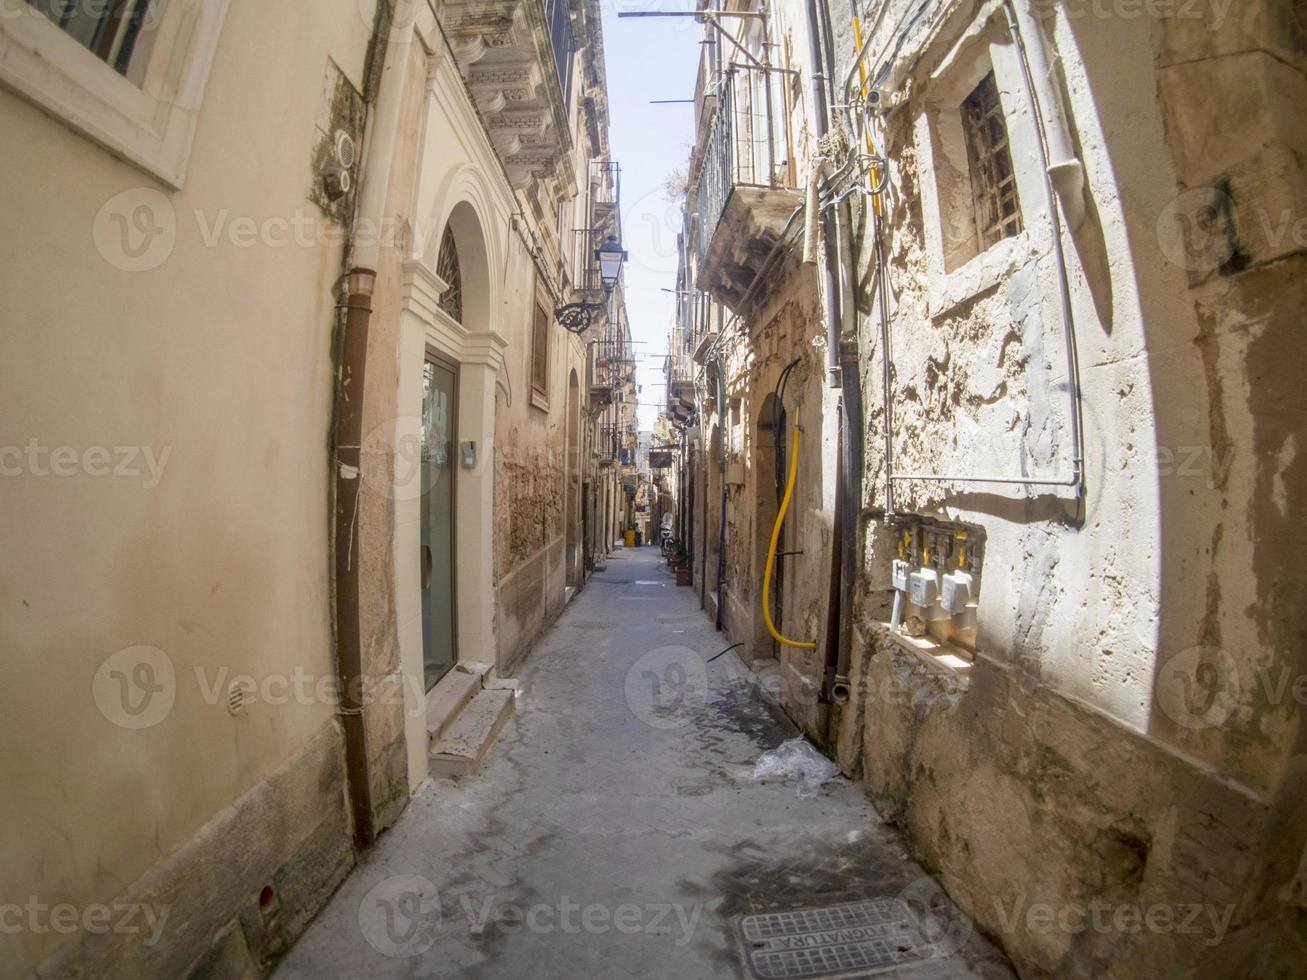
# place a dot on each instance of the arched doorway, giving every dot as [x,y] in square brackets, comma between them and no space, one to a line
[451,354]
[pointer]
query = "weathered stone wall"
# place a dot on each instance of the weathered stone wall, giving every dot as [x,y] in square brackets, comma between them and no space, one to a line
[786,327]
[530,504]
[1128,733]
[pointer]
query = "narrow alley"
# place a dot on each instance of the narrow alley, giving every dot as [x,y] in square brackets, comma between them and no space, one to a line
[760,489]
[618,831]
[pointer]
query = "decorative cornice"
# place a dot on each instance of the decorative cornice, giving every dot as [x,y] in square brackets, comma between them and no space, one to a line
[422,292]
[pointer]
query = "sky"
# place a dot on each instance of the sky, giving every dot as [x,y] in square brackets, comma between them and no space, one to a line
[650,58]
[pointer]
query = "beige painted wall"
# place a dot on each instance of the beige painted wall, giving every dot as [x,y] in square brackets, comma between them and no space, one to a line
[219,360]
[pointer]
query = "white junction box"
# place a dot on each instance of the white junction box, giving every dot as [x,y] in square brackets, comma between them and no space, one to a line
[924,587]
[899,575]
[956,591]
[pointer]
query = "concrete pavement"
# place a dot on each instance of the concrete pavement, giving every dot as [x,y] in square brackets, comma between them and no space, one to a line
[617,830]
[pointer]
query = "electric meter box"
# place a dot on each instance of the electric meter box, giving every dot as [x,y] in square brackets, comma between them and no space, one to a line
[924,587]
[957,591]
[899,575]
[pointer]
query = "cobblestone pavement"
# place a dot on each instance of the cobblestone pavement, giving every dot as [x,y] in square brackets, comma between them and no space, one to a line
[617,830]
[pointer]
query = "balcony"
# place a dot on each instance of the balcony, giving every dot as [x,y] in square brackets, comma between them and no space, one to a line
[516,57]
[599,218]
[747,187]
[608,444]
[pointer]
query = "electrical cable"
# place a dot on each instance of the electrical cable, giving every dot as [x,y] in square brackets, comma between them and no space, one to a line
[724,652]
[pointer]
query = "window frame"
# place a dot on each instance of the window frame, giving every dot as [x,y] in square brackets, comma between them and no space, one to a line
[988,193]
[150,124]
[538,362]
[956,274]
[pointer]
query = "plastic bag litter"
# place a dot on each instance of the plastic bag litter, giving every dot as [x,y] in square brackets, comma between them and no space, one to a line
[797,759]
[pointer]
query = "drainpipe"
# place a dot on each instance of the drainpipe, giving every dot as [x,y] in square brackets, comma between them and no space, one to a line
[817,88]
[842,363]
[850,489]
[361,263]
[348,476]
[1064,167]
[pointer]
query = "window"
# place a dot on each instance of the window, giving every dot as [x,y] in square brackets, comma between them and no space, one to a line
[989,161]
[540,354]
[126,74]
[559,17]
[448,269]
[112,29]
[972,181]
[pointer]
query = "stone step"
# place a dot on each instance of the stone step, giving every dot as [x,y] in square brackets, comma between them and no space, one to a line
[452,694]
[465,745]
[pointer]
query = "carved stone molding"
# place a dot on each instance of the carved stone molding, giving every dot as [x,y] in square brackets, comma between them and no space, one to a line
[506,58]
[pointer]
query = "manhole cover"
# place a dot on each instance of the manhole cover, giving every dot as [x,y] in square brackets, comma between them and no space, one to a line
[838,940]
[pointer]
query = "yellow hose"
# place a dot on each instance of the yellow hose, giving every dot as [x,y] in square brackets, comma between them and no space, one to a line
[771,550]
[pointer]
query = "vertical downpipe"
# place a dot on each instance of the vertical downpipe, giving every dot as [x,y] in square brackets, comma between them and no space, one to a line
[384,80]
[349,478]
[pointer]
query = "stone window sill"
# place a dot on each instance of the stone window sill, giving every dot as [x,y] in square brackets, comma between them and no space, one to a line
[996,264]
[944,658]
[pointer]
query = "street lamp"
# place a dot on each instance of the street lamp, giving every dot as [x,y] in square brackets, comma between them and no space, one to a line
[576,317]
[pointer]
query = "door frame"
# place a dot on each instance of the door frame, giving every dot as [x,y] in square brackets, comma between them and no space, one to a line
[444,360]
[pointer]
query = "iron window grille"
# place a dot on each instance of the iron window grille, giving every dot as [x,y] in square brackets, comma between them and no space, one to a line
[989,159]
[449,270]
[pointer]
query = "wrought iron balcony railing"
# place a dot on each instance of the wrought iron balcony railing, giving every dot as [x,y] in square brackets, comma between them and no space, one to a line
[749,142]
[601,218]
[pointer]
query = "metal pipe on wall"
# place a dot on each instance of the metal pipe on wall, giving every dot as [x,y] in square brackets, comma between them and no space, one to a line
[1074,405]
[821,124]
[347,436]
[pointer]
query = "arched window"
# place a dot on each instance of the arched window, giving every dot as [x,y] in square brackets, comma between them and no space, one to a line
[447,268]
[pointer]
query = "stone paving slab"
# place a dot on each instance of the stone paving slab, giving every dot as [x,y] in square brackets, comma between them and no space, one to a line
[616,830]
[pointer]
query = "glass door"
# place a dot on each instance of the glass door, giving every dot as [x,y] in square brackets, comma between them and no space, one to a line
[439,384]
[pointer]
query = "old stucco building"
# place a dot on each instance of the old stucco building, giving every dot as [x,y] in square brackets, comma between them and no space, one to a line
[1026,278]
[323,450]
[319,434]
